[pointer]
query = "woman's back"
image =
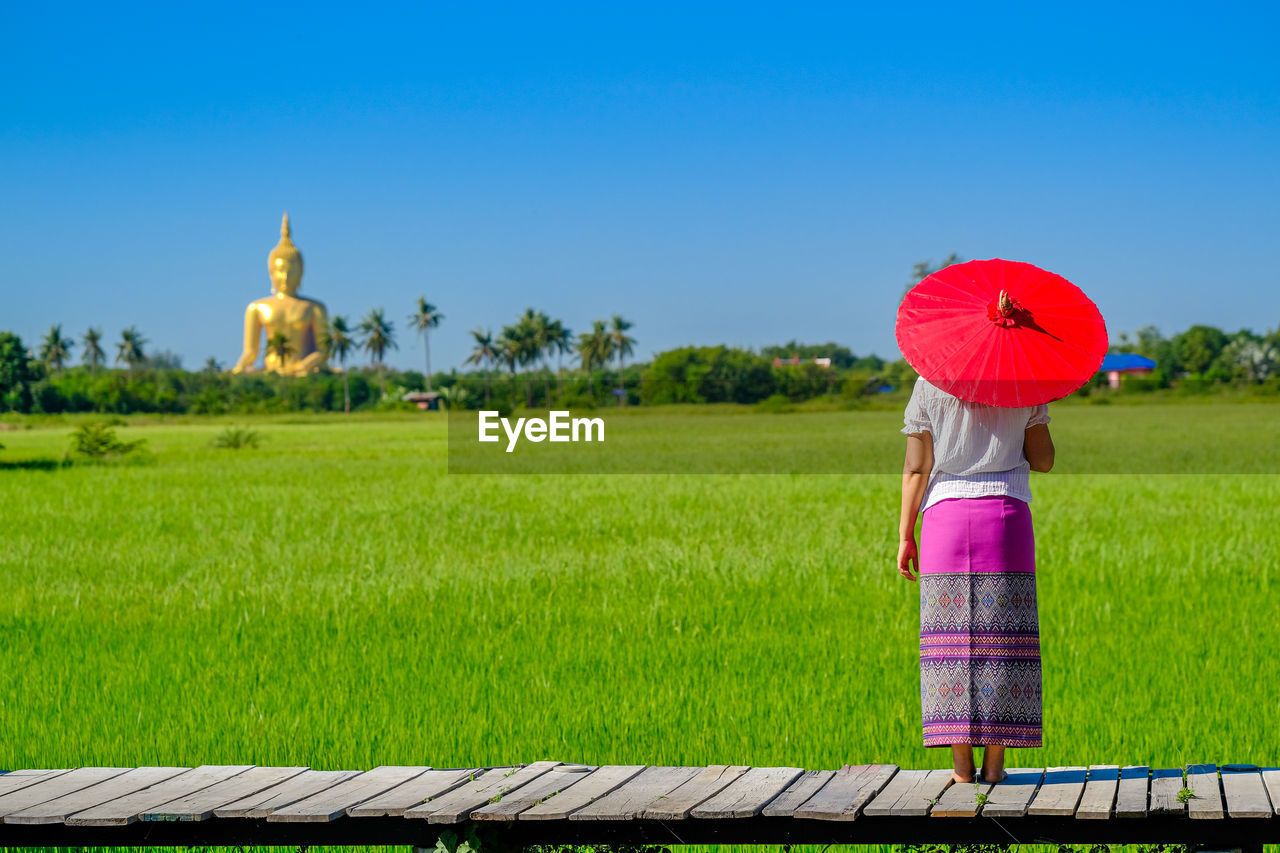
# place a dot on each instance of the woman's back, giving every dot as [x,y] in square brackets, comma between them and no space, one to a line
[977,449]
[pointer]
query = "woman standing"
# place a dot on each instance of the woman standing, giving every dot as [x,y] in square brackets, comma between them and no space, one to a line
[967,469]
[993,342]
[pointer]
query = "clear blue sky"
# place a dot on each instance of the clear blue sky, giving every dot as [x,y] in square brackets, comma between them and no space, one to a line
[737,174]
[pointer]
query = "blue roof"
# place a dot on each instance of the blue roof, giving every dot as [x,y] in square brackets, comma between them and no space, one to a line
[1125,361]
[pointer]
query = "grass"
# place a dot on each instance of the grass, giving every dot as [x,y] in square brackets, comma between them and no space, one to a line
[334,599]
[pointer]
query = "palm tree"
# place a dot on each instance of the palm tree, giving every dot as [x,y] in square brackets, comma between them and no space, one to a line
[93,354]
[55,349]
[129,349]
[622,345]
[539,345]
[379,336]
[279,346]
[561,340]
[483,354]
[424,320]
[511,351]
[530,349]
[336,343]
[594,347]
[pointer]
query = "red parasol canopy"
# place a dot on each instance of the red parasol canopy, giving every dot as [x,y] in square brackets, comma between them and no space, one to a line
[1001,332]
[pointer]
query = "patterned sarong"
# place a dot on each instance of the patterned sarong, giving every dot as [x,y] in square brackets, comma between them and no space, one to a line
[979,629]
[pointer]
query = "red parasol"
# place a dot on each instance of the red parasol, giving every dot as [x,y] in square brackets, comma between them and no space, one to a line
[1001,332]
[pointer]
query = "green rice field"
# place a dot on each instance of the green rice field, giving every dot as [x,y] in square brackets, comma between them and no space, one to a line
[334,598]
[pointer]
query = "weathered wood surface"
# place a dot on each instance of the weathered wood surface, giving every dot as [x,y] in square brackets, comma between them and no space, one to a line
[299,787]
[1165,785]
[546,786]
[1206,795]
[1132,792]
[583,793]
[910,793]
[50,788]
[709,782]
[19,779]
[125,810]
[332,803]
[58,810]
[1271,780]
[798,793]
[625,803]
[631,799]
[1012,797]
[902,782]
[749,794]
[960,800]
[1246,794]
[1099,792]
[199,805]
[458,804]
[1060,791]
[415,792]
[847,792]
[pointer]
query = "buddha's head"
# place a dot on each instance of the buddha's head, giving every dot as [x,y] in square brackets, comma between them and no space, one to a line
[284,264]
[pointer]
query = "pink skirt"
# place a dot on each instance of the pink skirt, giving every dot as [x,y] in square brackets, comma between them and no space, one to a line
[979,628]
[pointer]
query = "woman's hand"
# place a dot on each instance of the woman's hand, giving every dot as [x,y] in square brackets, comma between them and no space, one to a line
[908,559]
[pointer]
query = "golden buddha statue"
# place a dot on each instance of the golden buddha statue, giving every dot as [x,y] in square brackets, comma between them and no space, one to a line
[302,322]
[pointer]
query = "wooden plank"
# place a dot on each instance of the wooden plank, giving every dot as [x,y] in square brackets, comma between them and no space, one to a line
[1271,780]
[902,782]
[1246,795]
[847,792]
[415,792]
[632,798]
[961,799]
[57,811]
[16,780]
[27,796]
[1165,785]
[547,785]
[1206,792]
[199,805]
[749,794]
[798,793]
[333,802]
[459,803]
[1099,792]
[709,782]
[910,793]
[1059,792]
[582,794]
[123,811]
[1131,792]
[299,787]
[1012,797]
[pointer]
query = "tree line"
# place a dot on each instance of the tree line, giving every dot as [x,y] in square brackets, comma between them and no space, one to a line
[525,364]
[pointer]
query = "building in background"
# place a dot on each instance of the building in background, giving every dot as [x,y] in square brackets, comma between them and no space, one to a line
[1117,363]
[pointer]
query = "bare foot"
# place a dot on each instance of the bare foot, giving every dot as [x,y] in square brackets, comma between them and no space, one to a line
[1004,774]
[955,777]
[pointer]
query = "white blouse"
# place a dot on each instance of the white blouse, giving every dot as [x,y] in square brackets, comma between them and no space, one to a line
[977,449]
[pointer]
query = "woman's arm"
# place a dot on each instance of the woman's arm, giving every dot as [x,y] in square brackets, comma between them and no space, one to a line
[915,477]
[1037,446]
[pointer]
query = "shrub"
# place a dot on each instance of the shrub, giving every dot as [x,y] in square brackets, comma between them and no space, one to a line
[577,401]
[776,403]
[236,438]
[98,441]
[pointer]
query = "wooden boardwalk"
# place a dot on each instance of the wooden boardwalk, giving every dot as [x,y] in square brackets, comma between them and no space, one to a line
[549,802]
